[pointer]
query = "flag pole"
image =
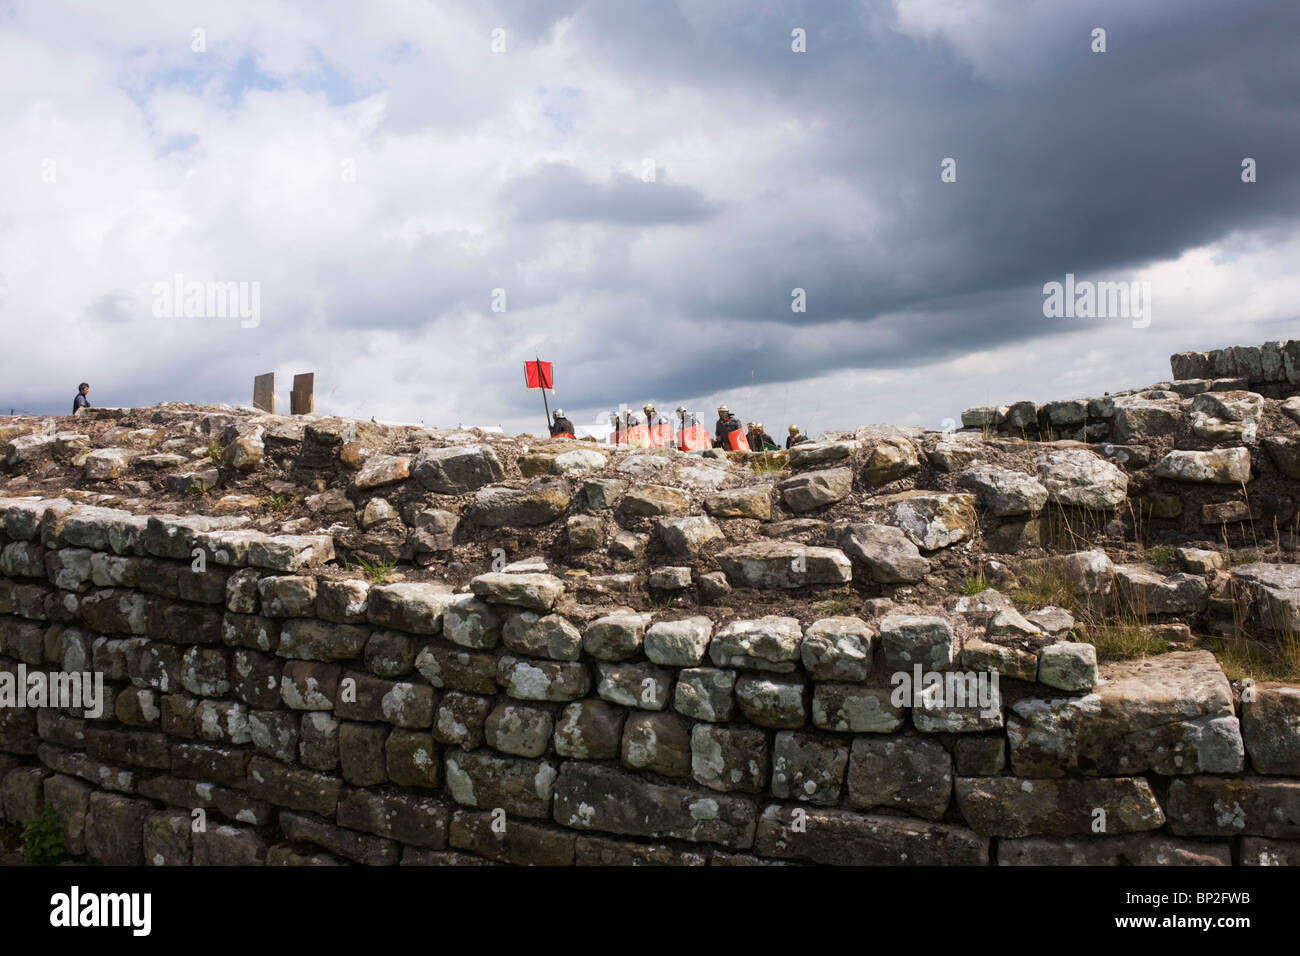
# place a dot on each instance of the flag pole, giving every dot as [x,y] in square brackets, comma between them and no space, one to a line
[542,380]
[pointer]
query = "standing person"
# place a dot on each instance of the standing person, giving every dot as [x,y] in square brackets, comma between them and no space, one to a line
[660,427]
[761,440]
[561,427]
[725,433]
[80,401]
[795,438]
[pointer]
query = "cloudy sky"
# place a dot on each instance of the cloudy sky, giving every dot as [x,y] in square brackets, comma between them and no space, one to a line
[377,171]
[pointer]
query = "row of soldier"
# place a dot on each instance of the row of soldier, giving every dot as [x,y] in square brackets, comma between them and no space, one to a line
[686,434]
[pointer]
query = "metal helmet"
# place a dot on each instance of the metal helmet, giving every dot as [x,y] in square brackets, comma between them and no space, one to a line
[758,426]
[681,410]
[558,413]
[794,429]
[648,407]
[723,410]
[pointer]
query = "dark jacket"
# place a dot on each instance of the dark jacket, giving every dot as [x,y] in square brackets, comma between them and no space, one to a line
[795,440]
[81,401]
[724,428]
[562,425]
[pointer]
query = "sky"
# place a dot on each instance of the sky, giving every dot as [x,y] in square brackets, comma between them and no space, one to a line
[420,196]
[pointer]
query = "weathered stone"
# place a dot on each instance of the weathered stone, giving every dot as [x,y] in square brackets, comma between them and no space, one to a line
[453,667]
[318,741]
[781,564]
[838,649]
[1225,466]
[932,520]
[1138,418]
[382,470]
[589,730]
[1003,492]
[816,489]
[309,685]
[891,459]
[390,654]
[595,797]
[705,693]
[754,502]
[654,500]
[596,851]
[540,503]
[312,640]
[586,533]
[913,774]
[1270,725]
[1222,806]
[1141,849]
[357,847]
[1017,807]
[273,732]
[854,708]
[1075,478]
[615,637]
[640,685]
[602,493]
[114,832]
[458,469]
[729,758]
[535,592]
[842,838]
[1171,713]
[290,552]
[518,729]
[770,643]
[485,781]
[1284,450]
[678,643]
[361,754]
[627,545]
[910,639]
[288,595]
[543,680]
[460,719]
[471,623]
[1068,666]
[1007,660]
[1274,594]
[551,636]
[772,701]
[686,537]
[887,552]
[411,758]
[1260,851]
[658,742]
[979,756]
[808,768]
[1146,593]
[670,579]
[414,608]
[817,452]
[519,843]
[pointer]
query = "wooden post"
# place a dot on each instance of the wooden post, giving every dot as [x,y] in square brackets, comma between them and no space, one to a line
[264,392]
[302,398]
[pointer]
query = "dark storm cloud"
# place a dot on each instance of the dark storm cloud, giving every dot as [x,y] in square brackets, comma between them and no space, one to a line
[1082,162]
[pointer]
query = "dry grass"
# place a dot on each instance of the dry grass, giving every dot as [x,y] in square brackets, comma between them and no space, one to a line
[1242,656]
[1044,584]
[1125,641]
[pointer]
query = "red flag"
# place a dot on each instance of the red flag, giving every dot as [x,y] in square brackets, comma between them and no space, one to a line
[538,375]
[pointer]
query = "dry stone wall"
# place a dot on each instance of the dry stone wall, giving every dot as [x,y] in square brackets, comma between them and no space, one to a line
[594,658]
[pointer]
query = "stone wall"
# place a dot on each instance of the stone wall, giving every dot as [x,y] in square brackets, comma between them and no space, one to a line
[315,717]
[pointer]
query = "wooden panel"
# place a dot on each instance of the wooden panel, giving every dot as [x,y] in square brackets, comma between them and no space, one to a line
[264,392]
